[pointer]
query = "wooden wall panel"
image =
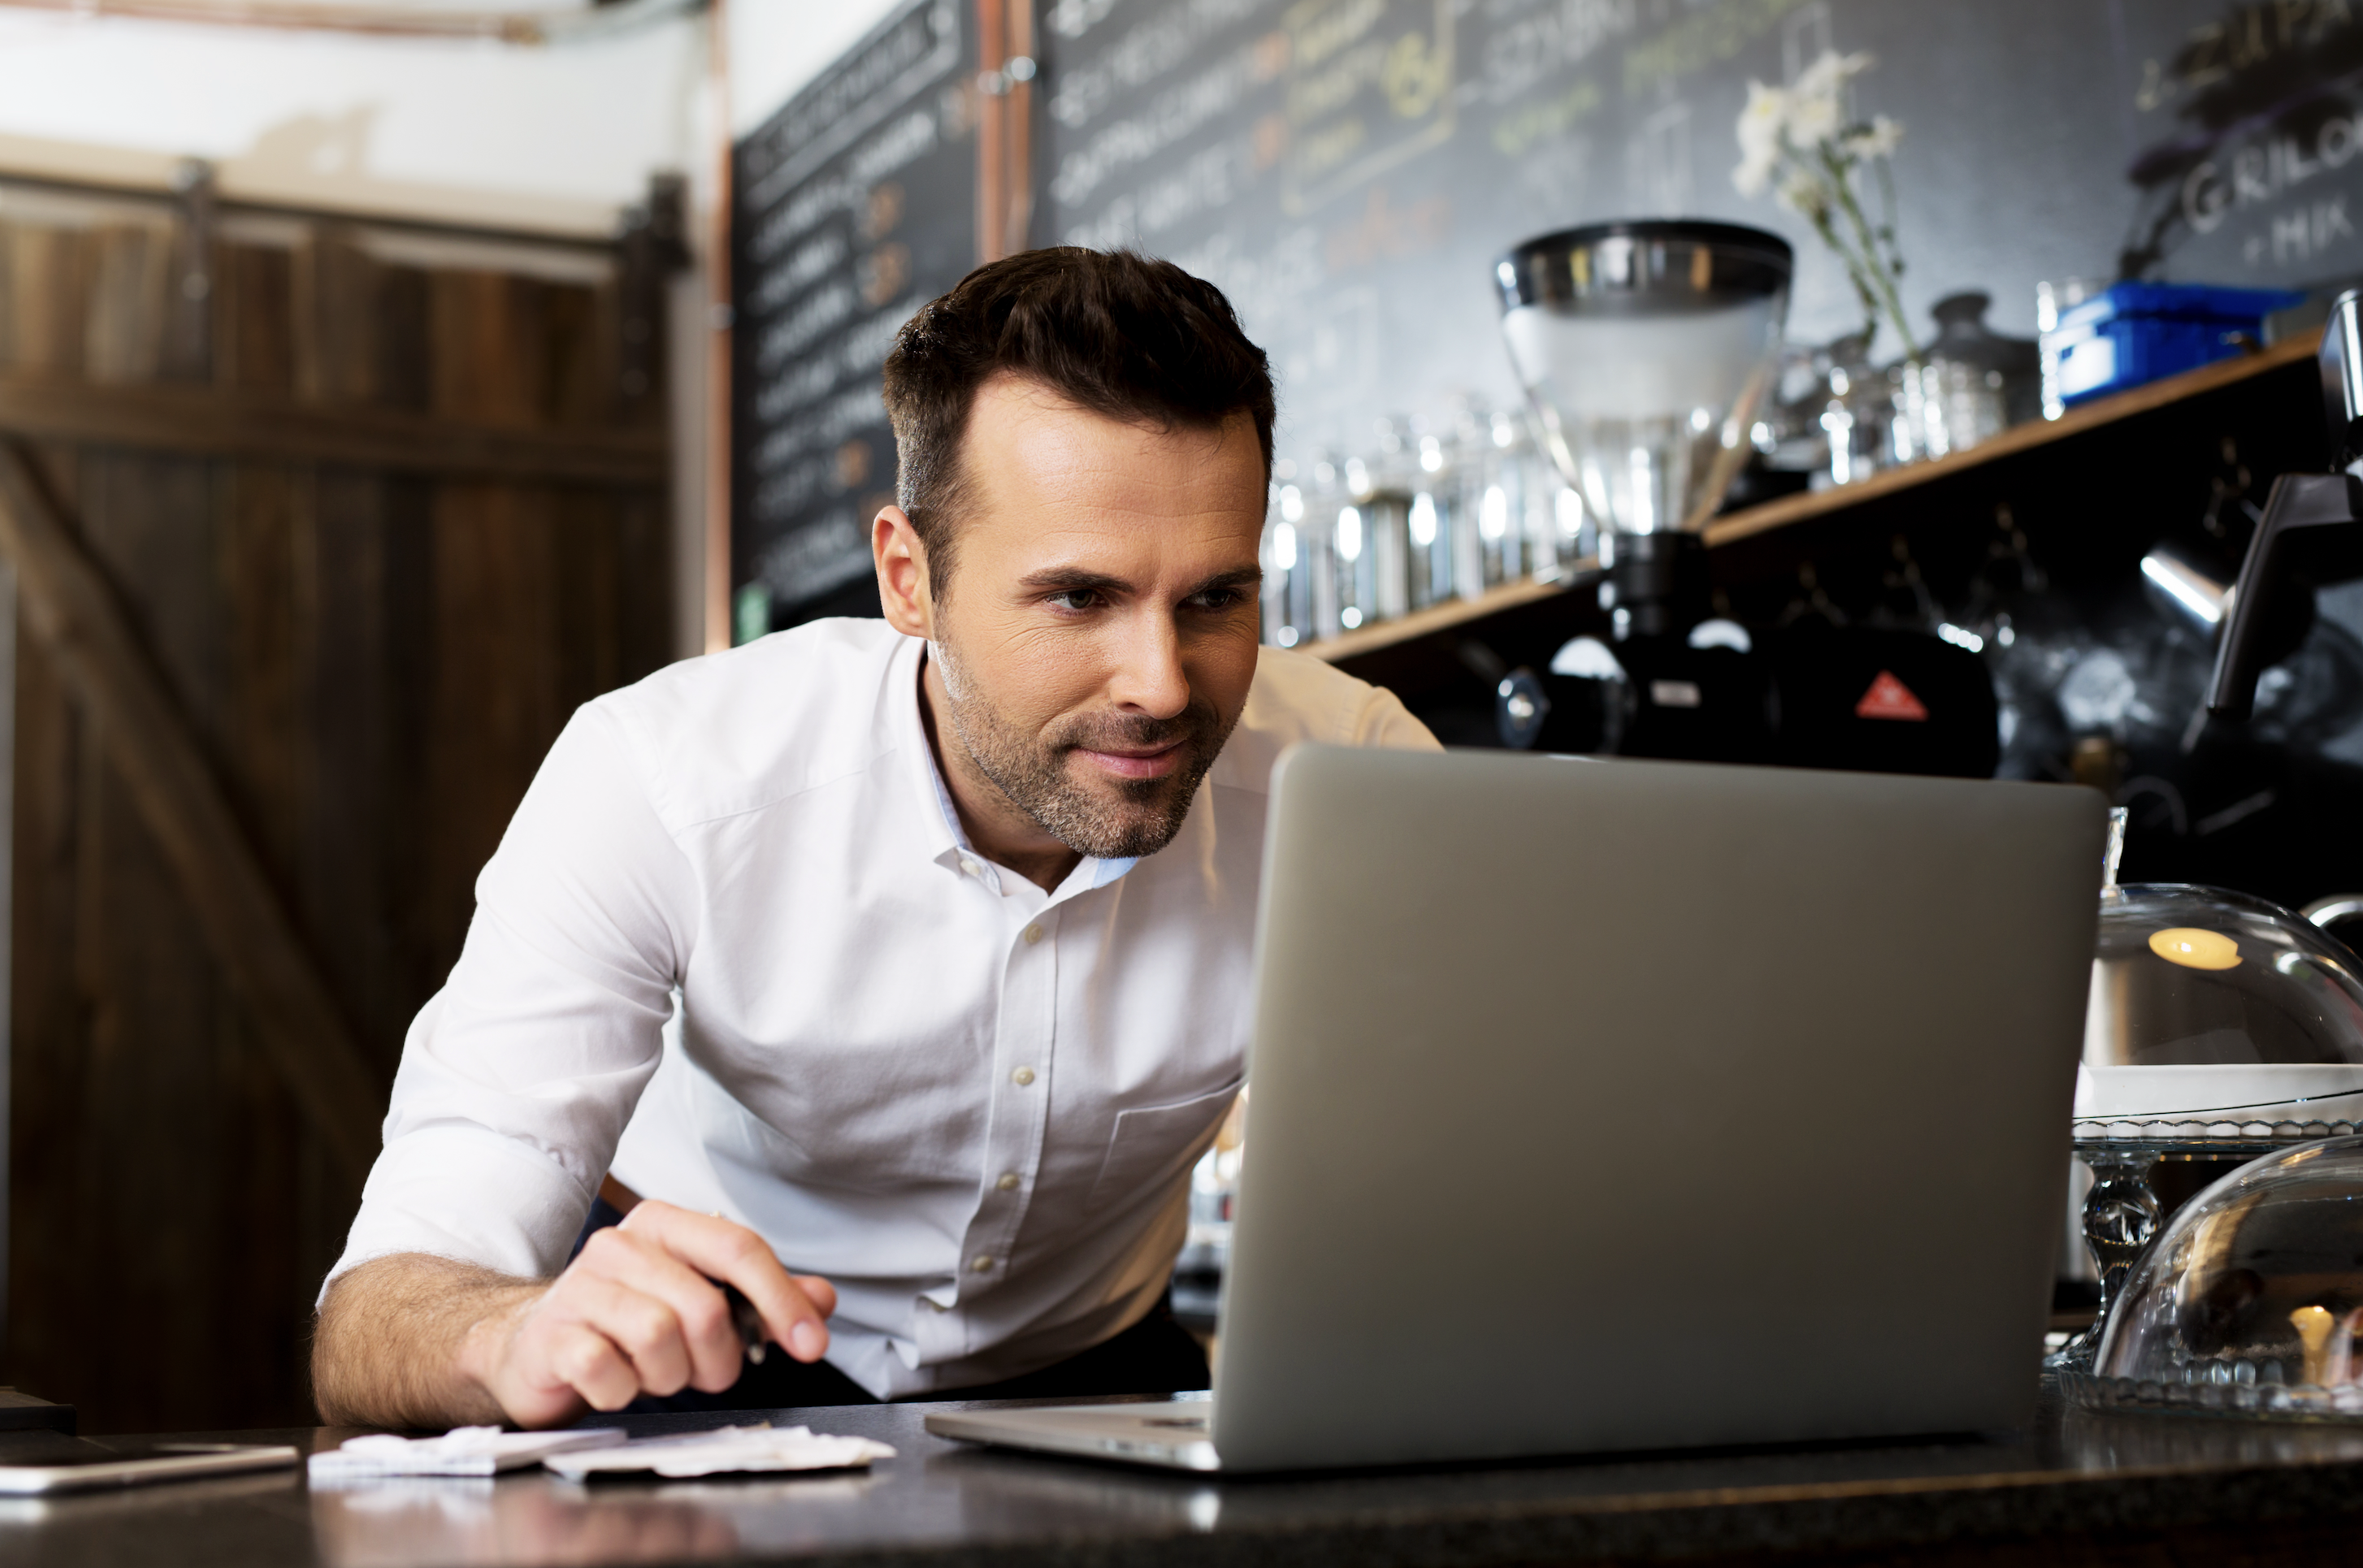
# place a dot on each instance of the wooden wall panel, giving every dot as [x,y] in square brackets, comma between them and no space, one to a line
[254,325]
[494,563]
[42,326]
[374,665]
[130,273]
[50,1007]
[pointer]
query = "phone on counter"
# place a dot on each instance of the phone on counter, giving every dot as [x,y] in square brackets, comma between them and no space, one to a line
[34,1464]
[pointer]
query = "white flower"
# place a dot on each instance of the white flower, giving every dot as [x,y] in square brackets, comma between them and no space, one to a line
[1817,98]
[1829,73]
[1877,139]
[1763,130]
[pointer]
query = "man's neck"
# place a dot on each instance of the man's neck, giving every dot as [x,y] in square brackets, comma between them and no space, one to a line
[996,826]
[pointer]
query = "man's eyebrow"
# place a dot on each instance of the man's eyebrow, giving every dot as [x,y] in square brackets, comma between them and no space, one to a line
[1239,577]
[1072,580]
[1078,580]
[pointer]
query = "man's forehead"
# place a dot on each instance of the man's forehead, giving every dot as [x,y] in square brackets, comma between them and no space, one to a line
[1060,491]
[1030,449]
[1009,403]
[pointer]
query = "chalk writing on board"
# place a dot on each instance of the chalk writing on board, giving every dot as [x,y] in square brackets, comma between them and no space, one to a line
[1347,170]
[2254,119]
[1369,85]
[856,204]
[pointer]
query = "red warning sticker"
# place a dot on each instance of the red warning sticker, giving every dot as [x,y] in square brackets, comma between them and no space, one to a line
[1890,698]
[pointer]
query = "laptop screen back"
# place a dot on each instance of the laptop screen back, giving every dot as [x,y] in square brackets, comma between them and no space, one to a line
[1622,1105]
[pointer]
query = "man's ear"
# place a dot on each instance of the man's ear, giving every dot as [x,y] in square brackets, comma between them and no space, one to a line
[902,561]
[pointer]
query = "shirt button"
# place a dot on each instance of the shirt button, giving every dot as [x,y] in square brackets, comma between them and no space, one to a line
[981,1263]
[971,868]
[1033,934]
[1009,1182]
[1022,1076]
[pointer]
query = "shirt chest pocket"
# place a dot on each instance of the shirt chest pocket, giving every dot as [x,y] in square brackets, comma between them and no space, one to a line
[1154,1143]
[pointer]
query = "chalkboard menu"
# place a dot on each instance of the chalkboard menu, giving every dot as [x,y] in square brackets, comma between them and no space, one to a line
[1347,170]
[855,204]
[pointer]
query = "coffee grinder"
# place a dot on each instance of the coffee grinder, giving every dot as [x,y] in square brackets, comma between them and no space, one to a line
[1646,350]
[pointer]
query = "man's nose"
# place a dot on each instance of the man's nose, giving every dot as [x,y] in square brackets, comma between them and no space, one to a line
[1149,677]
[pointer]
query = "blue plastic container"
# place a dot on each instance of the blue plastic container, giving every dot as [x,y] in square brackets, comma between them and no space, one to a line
[2139,332]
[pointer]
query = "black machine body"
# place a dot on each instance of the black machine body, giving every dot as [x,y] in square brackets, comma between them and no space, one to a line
[1812,695]
[2310,536]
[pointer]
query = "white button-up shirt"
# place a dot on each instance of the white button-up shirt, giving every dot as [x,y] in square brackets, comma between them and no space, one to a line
[734,948]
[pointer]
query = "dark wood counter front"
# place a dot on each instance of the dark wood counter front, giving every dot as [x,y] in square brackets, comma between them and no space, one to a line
[2079,1488]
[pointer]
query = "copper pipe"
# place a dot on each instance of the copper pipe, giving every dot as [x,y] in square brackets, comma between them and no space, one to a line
[992,132]
[1017,191]
[720,335]
[508,27]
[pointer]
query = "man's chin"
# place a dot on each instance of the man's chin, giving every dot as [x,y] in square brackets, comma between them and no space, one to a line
[1129,819]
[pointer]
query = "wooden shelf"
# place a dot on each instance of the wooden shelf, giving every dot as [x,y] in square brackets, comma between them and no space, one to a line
[1442,617]
[1790,509]
[1735,525]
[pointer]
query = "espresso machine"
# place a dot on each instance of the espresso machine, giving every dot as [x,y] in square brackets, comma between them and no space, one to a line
[2310,536]
[1646,350]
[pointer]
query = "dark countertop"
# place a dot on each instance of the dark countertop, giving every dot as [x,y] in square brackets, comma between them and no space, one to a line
[2079,1488]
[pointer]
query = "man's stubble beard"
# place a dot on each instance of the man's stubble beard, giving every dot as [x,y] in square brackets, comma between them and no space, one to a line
[1031,771]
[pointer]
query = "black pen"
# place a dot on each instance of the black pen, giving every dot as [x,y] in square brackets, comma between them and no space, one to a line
[745,1320]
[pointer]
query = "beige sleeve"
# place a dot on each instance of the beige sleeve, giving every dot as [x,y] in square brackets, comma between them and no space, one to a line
[1385,722]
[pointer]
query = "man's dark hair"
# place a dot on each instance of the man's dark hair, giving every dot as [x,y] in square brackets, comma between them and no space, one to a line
[1116,333]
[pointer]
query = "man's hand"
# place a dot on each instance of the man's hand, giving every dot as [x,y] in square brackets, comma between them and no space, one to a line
[639,1312]
[412,1340]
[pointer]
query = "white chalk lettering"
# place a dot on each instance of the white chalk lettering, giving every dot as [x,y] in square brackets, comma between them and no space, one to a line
[2289,239]
[800,326]
[2330,223]
[2205,198]
[2250,166]
[1176,113]
[2295,166]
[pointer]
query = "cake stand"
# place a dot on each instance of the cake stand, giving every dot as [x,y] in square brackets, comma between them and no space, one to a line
[2121,1213]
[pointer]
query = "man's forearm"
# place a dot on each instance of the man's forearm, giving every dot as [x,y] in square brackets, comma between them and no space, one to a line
[392,1345]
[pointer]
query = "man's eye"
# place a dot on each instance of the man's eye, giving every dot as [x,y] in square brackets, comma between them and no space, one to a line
[1217,599]
[1076,599]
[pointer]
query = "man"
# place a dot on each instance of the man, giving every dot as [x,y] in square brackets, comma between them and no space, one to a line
[913,952]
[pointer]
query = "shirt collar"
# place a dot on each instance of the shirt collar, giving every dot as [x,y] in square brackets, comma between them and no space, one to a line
[951,840]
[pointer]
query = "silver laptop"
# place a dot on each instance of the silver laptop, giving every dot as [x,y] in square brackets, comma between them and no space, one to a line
[1616,1105]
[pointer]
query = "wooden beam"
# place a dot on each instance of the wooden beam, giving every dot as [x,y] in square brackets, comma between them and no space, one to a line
[68,608]
[217,423]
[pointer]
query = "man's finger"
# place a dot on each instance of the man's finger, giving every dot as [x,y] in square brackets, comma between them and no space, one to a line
[721,1249]
[818,1291]
[638,1261]
[641,1326]
[584,1359]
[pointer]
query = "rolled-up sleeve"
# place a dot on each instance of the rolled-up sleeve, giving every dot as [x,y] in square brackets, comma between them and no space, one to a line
[517,1077]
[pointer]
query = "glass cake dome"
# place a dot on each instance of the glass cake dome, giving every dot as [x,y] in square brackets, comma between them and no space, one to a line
[2219,1015]
[2250,1302]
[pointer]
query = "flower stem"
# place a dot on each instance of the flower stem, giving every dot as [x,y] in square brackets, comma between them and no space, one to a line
[1881,279]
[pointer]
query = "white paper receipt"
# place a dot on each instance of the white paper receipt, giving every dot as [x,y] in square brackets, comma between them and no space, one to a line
[731,1451]
[464,1451]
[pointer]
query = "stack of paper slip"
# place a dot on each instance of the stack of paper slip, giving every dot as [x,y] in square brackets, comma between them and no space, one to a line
[730,1452]
[464,1451]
